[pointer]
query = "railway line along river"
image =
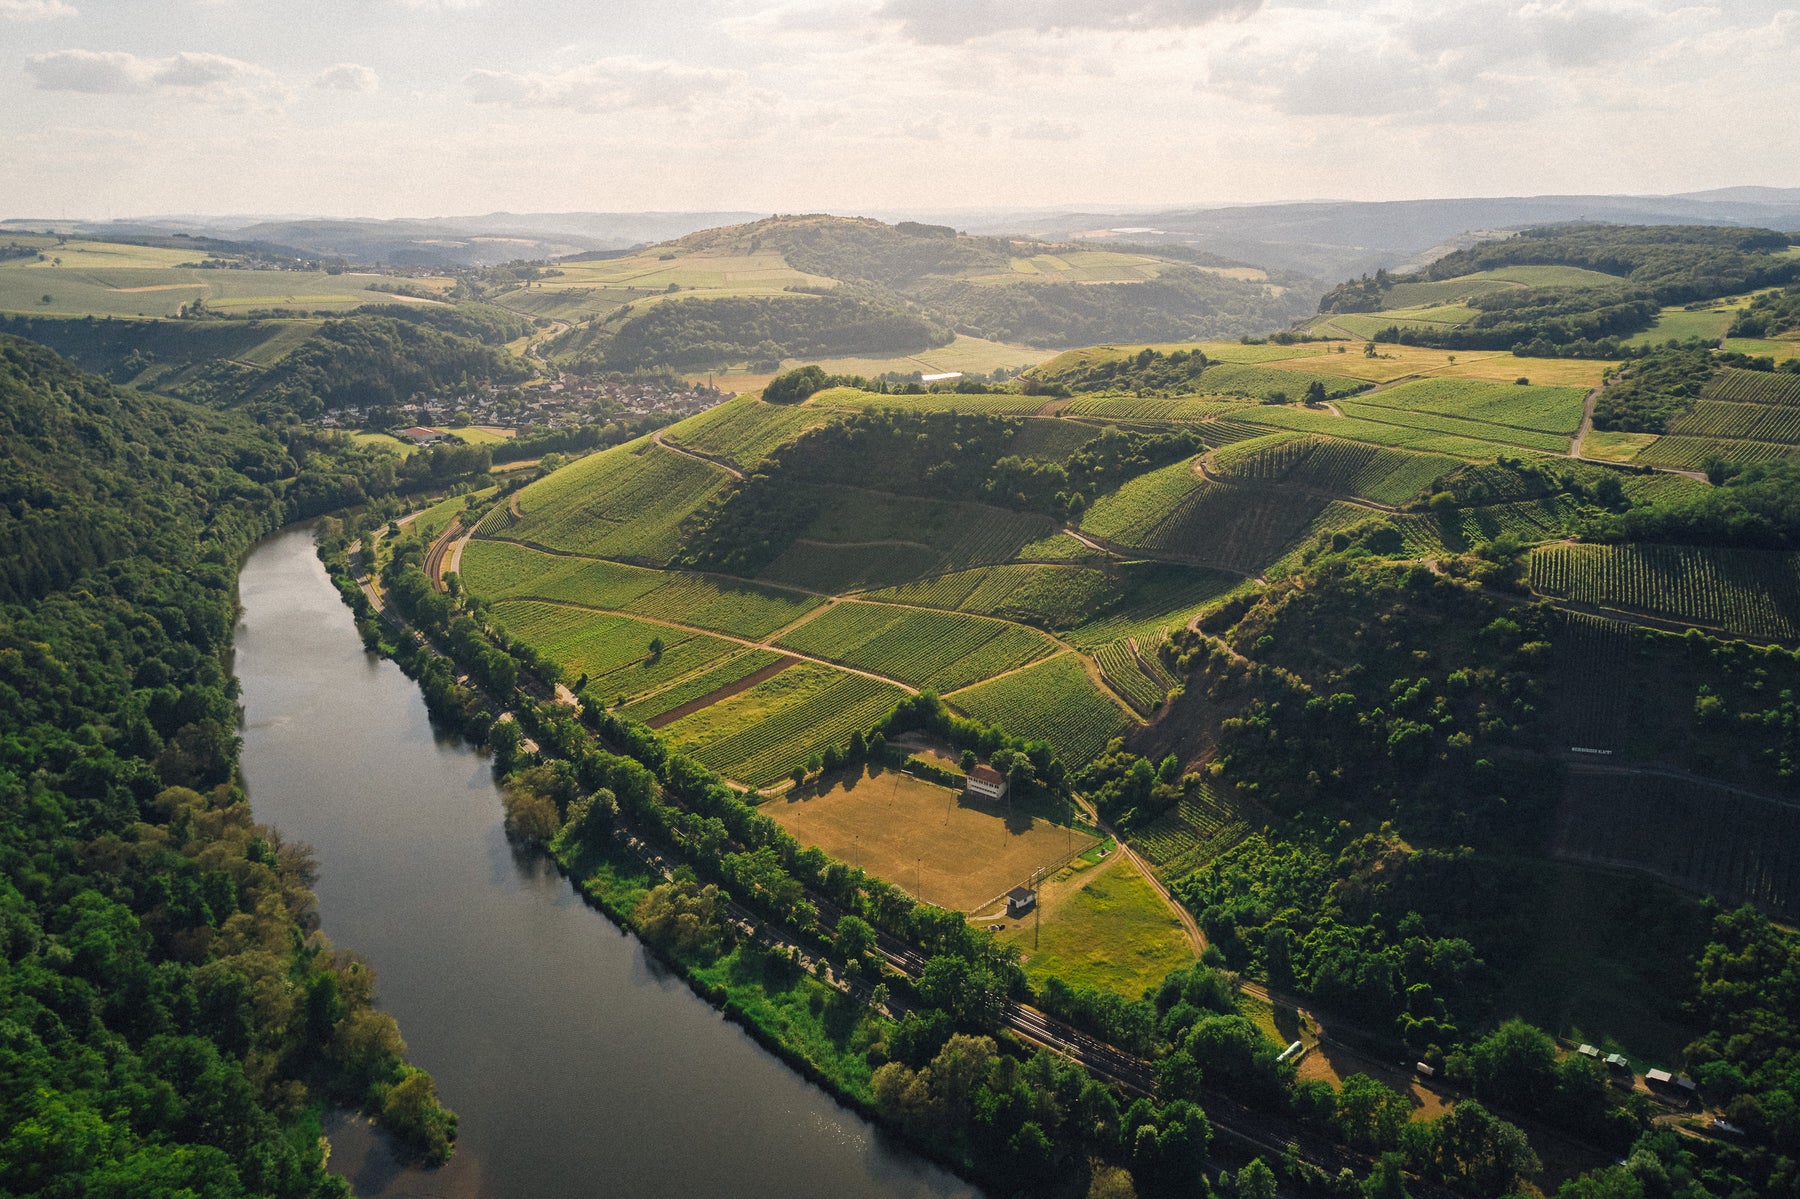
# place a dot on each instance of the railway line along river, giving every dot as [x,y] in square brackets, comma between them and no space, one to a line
[577,1065]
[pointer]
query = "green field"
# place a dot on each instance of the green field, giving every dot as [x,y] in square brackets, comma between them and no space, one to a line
[1780,349]
[1054,701]
[627,502]
[1679,324]
[107,279]
[1545,409]
[1114,933]
[1450,291]
[1752,593]
[939,650]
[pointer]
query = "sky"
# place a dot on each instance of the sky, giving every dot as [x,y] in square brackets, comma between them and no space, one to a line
[381,108]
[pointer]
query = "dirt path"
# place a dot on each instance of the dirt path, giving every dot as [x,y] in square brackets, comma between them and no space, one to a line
[720,463]
[718,693]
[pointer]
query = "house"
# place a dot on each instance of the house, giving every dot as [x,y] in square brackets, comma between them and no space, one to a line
[420,435]
[1020,900]
[1659,1079]
[1589,1051]
[1617,1061]
[986,782]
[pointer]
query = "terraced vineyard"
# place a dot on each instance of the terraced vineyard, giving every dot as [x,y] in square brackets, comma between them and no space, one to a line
[940,650]
[759,735]
[1692,453]
[1173,511]
[1738,421]
[1456,426]
[960,534]
[1346,468]
[1053,701]
[1198,829]
[1145,686]
[1753,387]
[744,430]
[1175,410]
[1052,597]
[1468,442]
[1696,835]
[498,569]
[1752,593]
[1159,598]
[628,503]
[868,401]
[1556,410]
[1592,655]
[612,651]
[1267,382]
[721,674]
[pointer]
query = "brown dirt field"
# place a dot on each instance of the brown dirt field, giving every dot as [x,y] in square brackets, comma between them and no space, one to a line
[726,692]
[927,839]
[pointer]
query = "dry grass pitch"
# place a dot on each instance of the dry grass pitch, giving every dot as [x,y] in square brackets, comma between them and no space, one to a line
[927,839]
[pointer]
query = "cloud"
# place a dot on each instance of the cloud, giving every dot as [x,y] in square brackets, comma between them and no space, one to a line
[35,10]
[348,77]
[949,22]
[609,85]
[1047,131]
[114,72]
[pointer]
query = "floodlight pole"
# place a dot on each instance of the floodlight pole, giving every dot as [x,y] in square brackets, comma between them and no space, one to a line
[1037,908]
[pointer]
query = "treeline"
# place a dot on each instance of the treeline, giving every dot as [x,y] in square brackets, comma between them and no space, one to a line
[698,333]
[1657,266]
[1652,391]
[1769,315]
[172,1023]
[1181,304]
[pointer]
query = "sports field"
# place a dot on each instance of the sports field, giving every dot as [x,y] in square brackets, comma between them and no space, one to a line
[933,842]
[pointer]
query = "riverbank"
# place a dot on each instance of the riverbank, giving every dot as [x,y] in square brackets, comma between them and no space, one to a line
[578,1062]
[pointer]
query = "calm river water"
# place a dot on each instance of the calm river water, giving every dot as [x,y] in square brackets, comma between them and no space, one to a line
[578,1066]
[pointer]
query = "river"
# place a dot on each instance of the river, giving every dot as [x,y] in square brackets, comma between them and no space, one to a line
[577,1064]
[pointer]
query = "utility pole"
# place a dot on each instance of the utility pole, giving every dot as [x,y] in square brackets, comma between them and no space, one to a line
[1037,908]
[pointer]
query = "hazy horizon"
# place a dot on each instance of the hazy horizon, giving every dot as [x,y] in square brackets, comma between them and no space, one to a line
[399,108]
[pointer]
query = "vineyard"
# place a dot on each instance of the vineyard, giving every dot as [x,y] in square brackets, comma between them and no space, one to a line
[1267,382]
[500,569]
[721,674]
[964,534]
[612,651]
[1544,409]
[1753,387]
[1347,468]
[628,502]
[1197,830]
[1457,426]
[1144,682]
[868,401]
[759,735]
[1692,453]
[835,569]
[1052,597]
[1054,701]
[1175,410]
[1740,422]
[744,430]
[1050,439]
[1752,593]
[1468,442]
[1174,512]
[941,650]
[1592,655]
[1159,597]
[1696,835]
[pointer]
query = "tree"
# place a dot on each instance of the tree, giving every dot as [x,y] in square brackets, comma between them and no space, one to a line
[1369,1116]
[855,937]
[1256,1181]
[1387,1180]
[1315,392]
[656,648]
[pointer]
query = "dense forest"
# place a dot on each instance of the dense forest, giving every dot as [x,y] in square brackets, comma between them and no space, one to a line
[173,1022]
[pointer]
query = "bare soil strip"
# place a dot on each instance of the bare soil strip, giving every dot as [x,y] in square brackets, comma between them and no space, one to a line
[721,693]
